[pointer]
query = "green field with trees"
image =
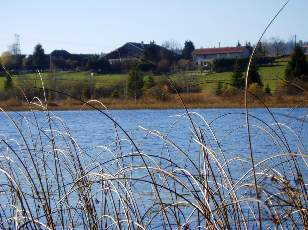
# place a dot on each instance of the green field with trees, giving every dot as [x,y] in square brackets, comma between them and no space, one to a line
[270,75]
[202,82]
[158,74]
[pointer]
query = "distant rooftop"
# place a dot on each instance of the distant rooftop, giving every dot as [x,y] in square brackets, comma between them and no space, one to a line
[221,50]
[128,50]
[134,50]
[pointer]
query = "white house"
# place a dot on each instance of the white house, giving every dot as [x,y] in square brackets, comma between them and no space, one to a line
[202,56]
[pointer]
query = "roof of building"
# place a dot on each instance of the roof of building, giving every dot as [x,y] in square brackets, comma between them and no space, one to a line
[135,50]
[222,50]
[60,53]
[128,50]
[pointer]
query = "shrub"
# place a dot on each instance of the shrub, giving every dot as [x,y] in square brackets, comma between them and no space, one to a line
[148,82]
[229,90]
[186,83]
[115,94]
[255,88]
[219,89]
[75,88]
[267,90]
[163,66]
[160,92]
[237,79]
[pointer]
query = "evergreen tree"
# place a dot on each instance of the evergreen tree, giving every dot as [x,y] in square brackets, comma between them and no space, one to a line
[237,79]
[38,57]
[254,76]
[8,84]
[135,81]
[188,49]
[115,94]
[297,66]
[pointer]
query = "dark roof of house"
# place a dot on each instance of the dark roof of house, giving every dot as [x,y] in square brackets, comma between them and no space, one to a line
[222,50]
[128,50]
[135,50]
[60,53]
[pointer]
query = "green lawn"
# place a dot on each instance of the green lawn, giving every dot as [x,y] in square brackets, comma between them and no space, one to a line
[271,76]
[101,81]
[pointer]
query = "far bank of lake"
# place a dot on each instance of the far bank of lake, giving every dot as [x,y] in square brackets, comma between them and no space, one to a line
[193,101]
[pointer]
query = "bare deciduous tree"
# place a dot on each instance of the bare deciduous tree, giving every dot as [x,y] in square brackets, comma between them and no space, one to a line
[173,45]
[279,46]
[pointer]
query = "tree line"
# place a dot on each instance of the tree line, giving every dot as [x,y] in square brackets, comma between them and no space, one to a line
[154,58]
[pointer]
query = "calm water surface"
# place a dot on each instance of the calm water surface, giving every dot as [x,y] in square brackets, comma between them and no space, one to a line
[92,129]
[224,131]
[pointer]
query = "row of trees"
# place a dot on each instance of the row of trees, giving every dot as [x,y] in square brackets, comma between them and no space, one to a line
[155,58]
[56,60]
[178,57]
[276,47]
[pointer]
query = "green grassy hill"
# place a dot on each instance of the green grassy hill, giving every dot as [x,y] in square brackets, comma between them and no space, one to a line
[271,75]
[101,81]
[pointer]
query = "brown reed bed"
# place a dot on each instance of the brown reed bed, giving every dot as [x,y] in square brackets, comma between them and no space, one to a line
[193,100]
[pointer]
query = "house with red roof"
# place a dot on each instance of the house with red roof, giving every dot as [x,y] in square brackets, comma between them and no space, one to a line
[201,57]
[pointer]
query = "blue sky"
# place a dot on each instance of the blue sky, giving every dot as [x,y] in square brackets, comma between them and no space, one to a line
[95,26]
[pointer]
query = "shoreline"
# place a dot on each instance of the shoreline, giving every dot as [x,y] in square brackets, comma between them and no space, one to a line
[211,103]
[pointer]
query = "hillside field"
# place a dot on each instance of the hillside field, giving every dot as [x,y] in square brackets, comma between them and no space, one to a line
[271,76]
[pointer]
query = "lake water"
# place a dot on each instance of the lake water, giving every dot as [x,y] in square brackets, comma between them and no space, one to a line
[167,133]
[92,129]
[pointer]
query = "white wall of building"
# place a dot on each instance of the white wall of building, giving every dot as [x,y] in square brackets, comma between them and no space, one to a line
[201,59]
